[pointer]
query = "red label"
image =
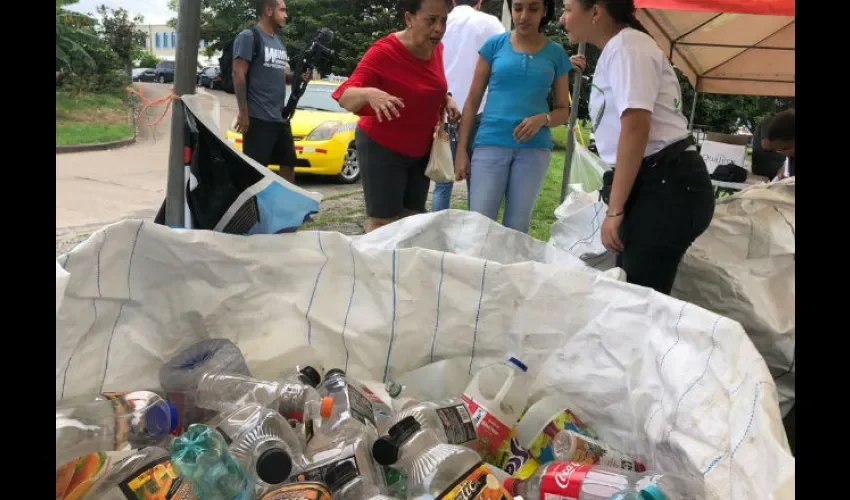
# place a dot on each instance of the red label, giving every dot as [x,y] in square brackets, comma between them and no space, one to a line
[563,480]
[491,431]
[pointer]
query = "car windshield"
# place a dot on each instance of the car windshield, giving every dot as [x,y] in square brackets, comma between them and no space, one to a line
[319,97]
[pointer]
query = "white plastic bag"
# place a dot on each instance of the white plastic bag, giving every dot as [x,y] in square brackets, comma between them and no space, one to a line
[659,379]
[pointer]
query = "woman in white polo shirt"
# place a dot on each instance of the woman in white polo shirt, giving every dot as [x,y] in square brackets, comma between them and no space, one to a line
[660,198]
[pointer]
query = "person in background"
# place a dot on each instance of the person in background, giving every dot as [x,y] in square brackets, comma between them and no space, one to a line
[266,136]
[661,197]
[765,163]
[779,137]
[513,144]
[399,90]
[466,31]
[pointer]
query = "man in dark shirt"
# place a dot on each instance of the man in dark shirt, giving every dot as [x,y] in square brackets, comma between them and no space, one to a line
[779,137]
[266,136]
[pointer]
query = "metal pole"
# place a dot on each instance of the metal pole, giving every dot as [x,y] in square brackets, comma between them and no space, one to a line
[506,15]
[571,140]
[185,75]
[693,110]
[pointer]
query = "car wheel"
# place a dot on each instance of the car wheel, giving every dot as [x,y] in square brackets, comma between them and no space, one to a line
[161,78]
[350,172]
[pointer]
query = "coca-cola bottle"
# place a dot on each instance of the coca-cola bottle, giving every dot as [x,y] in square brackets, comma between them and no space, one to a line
[575,481]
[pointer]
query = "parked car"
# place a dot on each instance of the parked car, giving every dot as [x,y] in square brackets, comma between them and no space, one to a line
[210,77]
[144,74]
[165,72]
[324,135]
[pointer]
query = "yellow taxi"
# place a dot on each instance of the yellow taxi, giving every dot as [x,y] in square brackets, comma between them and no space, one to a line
[323,133]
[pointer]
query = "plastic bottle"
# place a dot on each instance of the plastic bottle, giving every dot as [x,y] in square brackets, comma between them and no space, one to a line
[571,446]
[201,456]
[147,473]
[181,374]
[435,469]
[353,400]
[671,487]
[575,481]
[433,382]
[496,398]
[346,484]
[449,419]
[263,442]
[110,422]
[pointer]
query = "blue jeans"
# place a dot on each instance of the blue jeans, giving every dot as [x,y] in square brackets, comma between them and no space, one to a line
[515,174]
[442,197]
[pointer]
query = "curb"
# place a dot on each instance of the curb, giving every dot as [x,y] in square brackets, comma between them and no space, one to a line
[102,146]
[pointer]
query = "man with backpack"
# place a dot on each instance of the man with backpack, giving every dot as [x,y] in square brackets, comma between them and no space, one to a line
[259,76]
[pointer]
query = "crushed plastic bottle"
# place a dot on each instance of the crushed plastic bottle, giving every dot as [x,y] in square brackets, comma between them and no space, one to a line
[435,469]
[201,456]
[571,446]
[147,473]
[575,481]
[263,442]
[353,400]
[436,381]
[111,421]
[346,484]
[449,419]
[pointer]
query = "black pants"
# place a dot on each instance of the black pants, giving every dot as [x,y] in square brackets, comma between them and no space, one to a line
[670,205]
[269,143]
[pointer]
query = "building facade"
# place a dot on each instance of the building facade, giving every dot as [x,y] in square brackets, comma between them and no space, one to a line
[161,41]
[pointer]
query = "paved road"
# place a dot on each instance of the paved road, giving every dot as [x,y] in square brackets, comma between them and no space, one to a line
[98,188]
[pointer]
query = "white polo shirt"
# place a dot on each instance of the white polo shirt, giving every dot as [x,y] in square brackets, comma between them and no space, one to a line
[632,72]
[466,31]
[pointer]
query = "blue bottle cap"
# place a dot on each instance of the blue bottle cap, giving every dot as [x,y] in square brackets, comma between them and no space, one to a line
[159,422]
[652,492]
[519,364]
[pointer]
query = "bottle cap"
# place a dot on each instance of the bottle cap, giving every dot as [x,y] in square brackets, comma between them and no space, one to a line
[161,420]
[334,371]
[385,450]
[652,492]
[509,485]
[274,466]
[519,364]
[344,472]
[327,407]
[393,388]
[312,375]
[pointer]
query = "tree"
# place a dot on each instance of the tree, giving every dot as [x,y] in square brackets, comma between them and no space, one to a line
[73,30]
[120,32]
[148,60]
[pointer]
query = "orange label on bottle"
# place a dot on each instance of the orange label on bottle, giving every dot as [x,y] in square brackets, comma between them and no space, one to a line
[299,491]
[479,483]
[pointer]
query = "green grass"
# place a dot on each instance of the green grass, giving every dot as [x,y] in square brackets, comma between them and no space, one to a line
[547,201]
[559,134]
[83,118]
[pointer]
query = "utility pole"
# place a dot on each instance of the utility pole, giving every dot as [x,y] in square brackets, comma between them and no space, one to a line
[185,76]
[571,139]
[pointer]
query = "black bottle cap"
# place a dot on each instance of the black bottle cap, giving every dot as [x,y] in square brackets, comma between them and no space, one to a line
[343,473]
[312,375]
[385,450]
[274,466]
[334,371]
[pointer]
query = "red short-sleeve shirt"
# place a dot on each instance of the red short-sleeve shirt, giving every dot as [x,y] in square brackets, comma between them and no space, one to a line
[421,85]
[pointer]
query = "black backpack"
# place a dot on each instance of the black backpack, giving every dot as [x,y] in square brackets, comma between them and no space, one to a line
[225,62]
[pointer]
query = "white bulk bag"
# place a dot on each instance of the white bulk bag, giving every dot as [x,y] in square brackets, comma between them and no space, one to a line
[667,381]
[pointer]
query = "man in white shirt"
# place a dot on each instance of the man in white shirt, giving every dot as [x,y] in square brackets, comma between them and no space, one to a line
[466,31]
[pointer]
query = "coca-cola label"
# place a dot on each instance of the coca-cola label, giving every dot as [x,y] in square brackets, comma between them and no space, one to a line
[491,431]
[478,483]
[562,481]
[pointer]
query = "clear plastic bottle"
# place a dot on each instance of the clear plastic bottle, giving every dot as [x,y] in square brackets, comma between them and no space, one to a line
[181,374]
[449,419]
[496,398]
[571,446]
[433,382]
[147,473]
[201,456]
[349,443]
[671,487]
[364,403]
[111,422]
[350,404]
[346,484]
[435,469]
[226,391]
[574,480]
[263,442]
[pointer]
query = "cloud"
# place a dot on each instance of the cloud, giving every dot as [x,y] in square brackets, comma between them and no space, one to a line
[154,11]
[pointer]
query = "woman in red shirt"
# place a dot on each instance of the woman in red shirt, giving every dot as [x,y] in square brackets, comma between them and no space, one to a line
[399,90]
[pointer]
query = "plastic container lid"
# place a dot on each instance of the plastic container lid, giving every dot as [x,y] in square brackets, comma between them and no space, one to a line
[326,408]
[519,364]
[312,375]
[159,422]
[334,371]
[652,492]
[385,450]
[274,466]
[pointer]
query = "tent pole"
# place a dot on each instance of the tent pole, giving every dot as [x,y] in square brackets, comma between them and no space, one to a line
[506,15]
[185,76]
[571,140]
[693,111]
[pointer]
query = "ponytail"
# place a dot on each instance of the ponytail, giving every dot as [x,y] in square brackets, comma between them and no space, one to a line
[621,11]
[632,22]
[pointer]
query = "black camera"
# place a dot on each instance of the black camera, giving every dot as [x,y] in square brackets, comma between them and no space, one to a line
[317,54]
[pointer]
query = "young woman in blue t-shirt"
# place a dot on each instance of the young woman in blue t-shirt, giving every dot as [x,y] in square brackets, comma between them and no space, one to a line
[513,144]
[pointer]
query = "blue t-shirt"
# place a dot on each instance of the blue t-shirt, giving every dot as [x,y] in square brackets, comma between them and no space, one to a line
[518,86]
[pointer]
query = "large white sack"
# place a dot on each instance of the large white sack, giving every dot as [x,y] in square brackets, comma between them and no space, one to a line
[667,381]
[62,278]
[743,267]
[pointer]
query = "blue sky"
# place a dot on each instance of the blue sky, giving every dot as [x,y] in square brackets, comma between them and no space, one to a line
[154,11]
